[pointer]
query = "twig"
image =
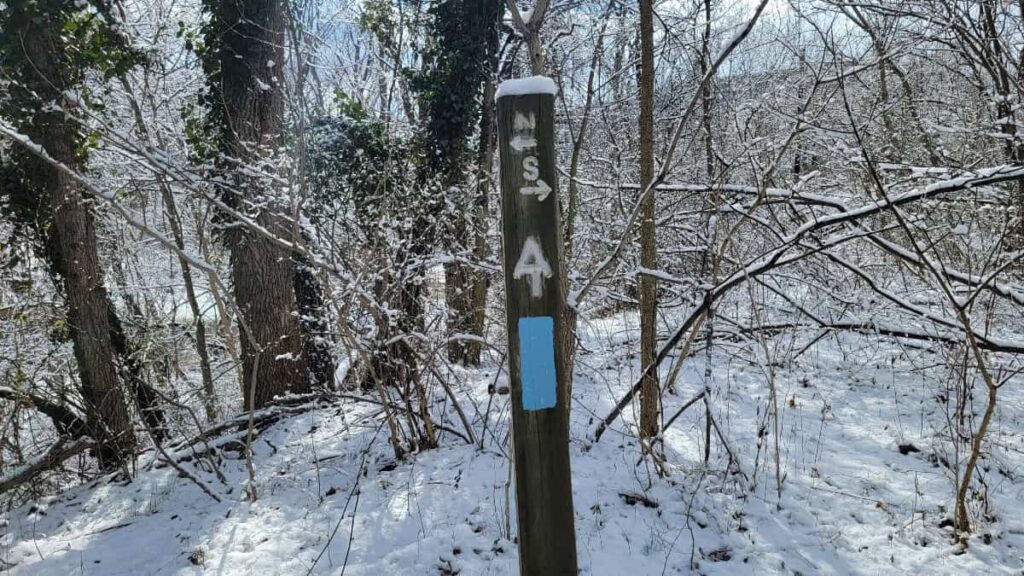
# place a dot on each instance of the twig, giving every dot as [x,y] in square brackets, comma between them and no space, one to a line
[679,412]
[353,492]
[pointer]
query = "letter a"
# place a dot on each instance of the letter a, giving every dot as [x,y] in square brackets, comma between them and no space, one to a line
[533,265]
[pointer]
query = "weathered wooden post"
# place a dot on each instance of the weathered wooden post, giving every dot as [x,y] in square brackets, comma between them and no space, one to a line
[532,240]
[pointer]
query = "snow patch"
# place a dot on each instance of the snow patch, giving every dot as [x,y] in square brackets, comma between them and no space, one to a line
[523,86]
[863,492]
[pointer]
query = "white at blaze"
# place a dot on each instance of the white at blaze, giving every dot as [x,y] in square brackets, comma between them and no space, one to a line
[531,173]
[533,266]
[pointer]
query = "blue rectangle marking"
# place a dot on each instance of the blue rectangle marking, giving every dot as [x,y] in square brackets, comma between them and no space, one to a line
[537,362]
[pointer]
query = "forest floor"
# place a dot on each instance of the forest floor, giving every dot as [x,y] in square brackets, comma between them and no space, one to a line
[864,463]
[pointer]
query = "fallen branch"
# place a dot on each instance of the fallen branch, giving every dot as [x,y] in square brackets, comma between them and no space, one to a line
[679,412]
[61,450]
[262,418]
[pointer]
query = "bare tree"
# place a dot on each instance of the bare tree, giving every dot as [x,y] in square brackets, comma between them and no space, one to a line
[650,393]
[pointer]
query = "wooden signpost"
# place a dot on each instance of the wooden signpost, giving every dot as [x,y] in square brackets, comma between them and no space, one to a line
[532,241]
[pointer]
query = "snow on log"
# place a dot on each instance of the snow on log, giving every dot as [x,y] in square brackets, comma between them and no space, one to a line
[61,450]
[522,86]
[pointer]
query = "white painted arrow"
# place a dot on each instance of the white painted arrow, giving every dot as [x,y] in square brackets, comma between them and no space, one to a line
[533,266]
[540,190]
[520,142]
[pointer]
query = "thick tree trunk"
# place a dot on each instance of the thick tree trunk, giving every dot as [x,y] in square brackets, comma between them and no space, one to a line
[72,247]
[251,62]
[649,391]
[73,254]
[272,354]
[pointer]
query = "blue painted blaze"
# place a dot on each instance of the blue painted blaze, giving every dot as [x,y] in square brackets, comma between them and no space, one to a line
[537,362]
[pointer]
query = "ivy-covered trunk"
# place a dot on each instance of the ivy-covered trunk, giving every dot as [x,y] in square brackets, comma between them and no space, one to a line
[458,62]
[36,55]
[316,329]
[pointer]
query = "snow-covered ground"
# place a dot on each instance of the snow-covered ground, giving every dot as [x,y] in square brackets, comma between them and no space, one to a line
[332,499]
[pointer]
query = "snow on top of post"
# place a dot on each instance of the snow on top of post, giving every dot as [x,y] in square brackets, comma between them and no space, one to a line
[531,85]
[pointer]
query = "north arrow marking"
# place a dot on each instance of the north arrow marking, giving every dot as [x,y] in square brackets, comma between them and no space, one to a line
[524,122]
[523,126]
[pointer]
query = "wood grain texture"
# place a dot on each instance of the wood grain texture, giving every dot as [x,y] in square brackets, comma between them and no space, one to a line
[547,537]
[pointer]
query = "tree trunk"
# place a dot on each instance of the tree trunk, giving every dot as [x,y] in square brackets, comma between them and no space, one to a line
[480,280]
[710,263]
[70,234]
[458,63]
[316,328]
[458,297]
[649,390]
[272,354]
[147,400]
[72,247]
[251,34]
[174,220]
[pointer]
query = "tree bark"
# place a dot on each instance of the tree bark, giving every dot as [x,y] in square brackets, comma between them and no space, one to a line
[73,247]
[649,390]
[458,63]
[71,244]
[147,400]
[480,280]
[251,35]
[316,329]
